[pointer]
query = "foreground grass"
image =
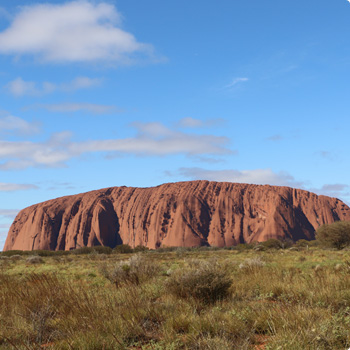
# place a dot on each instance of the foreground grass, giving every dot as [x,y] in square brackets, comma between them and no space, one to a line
[273,299]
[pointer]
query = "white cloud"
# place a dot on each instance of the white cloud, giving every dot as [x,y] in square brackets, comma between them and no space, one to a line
[4,227]
[18,125]
[152,139]
[76,31]
[255,176]
[3,235]
[235,81]
[77,107]
[333,190]
[24,154]
[189,122]
[155,139]
[19,87]
[80,83]
[5,216]
[9,213]
[8,187]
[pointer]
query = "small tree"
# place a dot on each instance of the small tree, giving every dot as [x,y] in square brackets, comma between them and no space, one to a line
[336,235]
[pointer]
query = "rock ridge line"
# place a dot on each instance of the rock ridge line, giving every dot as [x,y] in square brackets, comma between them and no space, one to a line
[184,214]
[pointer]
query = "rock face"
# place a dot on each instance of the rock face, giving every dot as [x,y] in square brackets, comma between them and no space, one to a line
[187,214]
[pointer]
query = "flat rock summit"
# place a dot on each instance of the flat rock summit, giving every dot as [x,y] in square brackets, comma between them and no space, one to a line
[185,214]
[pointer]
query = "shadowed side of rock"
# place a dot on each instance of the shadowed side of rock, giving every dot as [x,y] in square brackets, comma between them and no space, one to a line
[193,213]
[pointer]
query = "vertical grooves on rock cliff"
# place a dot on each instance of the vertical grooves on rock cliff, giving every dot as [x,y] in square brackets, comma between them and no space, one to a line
[176,214]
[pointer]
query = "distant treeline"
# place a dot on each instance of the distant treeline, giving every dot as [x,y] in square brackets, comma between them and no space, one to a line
[126,249]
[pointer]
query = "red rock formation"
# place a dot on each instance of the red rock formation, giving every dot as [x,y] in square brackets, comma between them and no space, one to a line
[176,214]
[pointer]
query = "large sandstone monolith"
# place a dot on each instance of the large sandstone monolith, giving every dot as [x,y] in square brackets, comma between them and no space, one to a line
[182,214]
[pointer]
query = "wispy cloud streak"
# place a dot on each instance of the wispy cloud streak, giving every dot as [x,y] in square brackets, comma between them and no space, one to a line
[152,139]
[19,87]
[236,81]
[254,176]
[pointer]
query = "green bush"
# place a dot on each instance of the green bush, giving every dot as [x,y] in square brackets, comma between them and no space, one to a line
[50,252]
[44,252]
[302,243]
[276,244]
[207,282]
[335,235]
[100,249]
[92,250]
[35,252]
[243,246]
[16,252]
[123,249]
[83,251]
[272,244]
[140,248]
[166,249]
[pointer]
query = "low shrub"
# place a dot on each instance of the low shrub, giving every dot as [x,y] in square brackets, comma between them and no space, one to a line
[294,249]
[272,244]
[166,249]
[10,253]
[35,259]
[92,250]
[135,270]
[103,249]
[140,248]
[44,252]
[335,235]
[252,264]
[242,247]
[123,249]
[206,282]
[16,252]
[82,251]
[276,244]
[302,243]
[15,257]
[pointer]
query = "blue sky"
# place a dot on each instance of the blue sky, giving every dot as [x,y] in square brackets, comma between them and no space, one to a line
[138,93]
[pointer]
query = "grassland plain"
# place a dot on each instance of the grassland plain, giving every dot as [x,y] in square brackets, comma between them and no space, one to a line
[290,299]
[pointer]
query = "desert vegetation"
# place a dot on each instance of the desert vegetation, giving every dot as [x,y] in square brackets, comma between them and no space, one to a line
[335,235]
[277,296]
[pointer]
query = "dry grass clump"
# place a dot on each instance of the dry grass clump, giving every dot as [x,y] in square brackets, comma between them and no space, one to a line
[252,264]
[34,260]
[211,343]
[207,282]
[135,270]
[29,307]
[15,257]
